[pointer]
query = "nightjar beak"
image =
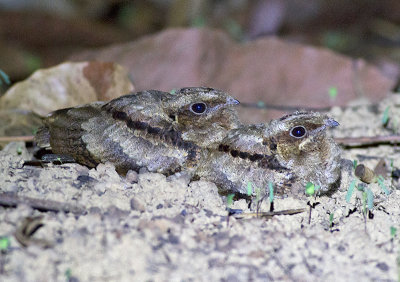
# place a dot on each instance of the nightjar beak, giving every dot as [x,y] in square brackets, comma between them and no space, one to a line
[232,101]
[331,122]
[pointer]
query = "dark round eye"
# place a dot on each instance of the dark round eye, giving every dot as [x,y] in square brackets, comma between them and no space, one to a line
[198,108]
[298,131]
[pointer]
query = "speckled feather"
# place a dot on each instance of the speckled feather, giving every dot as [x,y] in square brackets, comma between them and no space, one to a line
[151,129]
[269,153]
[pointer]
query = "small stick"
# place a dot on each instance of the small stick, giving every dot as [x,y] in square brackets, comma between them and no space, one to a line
[7,200]
[28,138]
[368,141]
[270,214]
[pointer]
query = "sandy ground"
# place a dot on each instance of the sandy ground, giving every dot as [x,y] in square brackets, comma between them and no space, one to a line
[146,227]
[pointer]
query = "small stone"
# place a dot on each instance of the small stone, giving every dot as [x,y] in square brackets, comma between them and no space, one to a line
[137,205]
[382,266]
[132,176]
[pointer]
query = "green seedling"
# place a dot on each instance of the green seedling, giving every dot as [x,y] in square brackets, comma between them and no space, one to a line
[249,189]
[370,199]
[330,220]
[173,91]
[393,232]
[4,77]
[271,191]
[350,190]
[229,200]
[310,189]
[4,243]
[333,92]
[385,117]
[355,163]
[381,183]
[68,274]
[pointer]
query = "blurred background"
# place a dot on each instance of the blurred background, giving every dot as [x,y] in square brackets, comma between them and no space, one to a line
[264,52]
[41,33]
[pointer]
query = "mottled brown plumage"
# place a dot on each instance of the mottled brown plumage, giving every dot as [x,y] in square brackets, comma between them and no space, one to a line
[288,152]
[160,131]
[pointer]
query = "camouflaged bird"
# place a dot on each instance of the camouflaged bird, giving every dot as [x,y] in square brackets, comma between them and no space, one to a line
[288,152]
[157,130]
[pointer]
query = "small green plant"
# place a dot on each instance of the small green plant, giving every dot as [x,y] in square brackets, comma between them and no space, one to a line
[370,199]
[173,91]
[331,220]
[4,244]
[393,232]
[381,183]
[68,274]
[367,198]
[385,116]
[311,189]
[229,200]
[4,77]
[355,163]
[271,191]
[19,150]
[249,189]
[350,190]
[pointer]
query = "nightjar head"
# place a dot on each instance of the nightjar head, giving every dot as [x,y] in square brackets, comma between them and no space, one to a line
[202,114]
[300,143]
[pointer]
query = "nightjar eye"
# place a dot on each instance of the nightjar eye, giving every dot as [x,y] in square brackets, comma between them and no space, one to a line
[298,131]
[198,108]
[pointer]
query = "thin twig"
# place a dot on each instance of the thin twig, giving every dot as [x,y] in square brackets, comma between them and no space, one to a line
[269,214]
[282,107]
[368,141]
[9,200]
[28,138]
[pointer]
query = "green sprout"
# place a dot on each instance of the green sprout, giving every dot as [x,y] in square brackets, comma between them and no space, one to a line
[4,77]
[330,220]
[370,199]
[229,200]
[355,162]
[173,91]
[4,243]
[249,189]
[385,117]
[19,150]
[350,190]
[393,231]
[271,191]
[381,183]
[311,188]
[333,92]
[68,274]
